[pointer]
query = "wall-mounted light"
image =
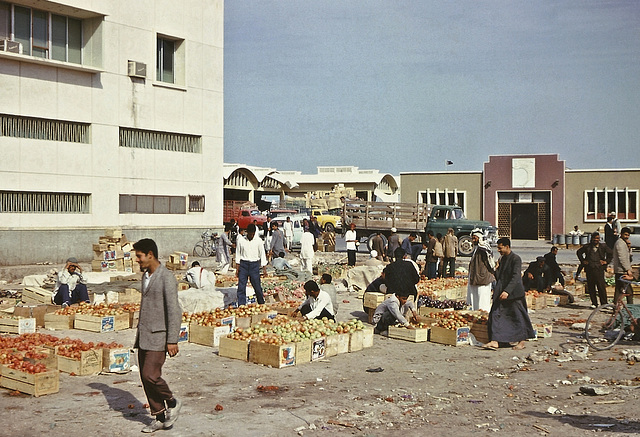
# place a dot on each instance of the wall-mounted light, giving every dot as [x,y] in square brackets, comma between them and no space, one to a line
[555,183]
[487,185]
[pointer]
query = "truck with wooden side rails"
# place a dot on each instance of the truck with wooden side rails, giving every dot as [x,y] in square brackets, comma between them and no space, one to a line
[243,211]
[373,217]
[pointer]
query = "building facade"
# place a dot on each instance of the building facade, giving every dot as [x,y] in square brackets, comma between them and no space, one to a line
[111,115]
[531,196]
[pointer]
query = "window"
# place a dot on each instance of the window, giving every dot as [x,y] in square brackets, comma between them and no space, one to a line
[165,61]
[44,129]
[144,139]
[444,197]
[44,202]
[145,204]
[600,202]
[196,203]
[41,33]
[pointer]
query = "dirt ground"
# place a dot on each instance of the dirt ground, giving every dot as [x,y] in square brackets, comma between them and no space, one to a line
[424,388]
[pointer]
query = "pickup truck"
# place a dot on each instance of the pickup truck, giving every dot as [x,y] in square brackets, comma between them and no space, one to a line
[244,213]
[328,220]
[373,217]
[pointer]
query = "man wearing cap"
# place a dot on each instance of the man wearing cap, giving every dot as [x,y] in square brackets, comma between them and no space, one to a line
[392,243]
[481,273]
[351,238]
[71,285]
[537,276]
[373,260]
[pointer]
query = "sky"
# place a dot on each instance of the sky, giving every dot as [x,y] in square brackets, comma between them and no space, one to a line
[404,86]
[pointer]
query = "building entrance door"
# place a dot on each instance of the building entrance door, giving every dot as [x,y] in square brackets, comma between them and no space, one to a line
[524,221]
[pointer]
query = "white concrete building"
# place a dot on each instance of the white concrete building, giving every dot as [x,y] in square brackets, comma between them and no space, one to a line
[111,115]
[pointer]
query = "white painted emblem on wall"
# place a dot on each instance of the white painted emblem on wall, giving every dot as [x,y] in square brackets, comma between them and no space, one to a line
[523,172]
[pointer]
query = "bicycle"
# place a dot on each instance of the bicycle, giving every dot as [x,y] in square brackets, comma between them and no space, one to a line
[607,324]
[206,247]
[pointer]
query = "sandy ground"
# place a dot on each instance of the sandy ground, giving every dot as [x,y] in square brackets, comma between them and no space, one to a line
[424,388]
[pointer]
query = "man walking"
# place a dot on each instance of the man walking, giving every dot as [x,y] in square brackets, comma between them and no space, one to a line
[622,263]
[595,257]
[393,243]
[508,320]
[158,331]
[352,244]
[251,256]
[450,253]
[288,232]
[481,273]
[277,240]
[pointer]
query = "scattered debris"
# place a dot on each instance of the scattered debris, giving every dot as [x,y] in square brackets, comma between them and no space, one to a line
[554,410]
[595,390]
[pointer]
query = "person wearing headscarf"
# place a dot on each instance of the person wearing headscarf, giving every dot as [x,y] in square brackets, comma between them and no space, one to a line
[373,260]
[481,273]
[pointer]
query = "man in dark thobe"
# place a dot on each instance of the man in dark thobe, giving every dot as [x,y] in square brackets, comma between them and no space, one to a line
[508,319]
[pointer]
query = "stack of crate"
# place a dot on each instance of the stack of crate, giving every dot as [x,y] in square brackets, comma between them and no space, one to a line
[114,253]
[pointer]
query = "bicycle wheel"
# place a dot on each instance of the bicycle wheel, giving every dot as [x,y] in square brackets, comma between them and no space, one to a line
[200,250]
[604,327]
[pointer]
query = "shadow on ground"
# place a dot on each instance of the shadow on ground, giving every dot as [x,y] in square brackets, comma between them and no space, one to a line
[122,401]
[592,423]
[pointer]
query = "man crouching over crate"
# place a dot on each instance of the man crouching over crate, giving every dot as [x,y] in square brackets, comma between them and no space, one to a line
[158,330]
[392,310]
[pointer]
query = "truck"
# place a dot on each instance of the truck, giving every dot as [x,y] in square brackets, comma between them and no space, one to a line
[244,212]
[373,217]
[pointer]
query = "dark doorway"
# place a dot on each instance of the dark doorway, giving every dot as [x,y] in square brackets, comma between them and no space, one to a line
[524,221]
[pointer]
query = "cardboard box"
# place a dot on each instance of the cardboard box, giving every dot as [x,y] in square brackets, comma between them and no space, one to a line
[120,264]
[35,311]
[417,335]
[128,265]
[55,321]
[115,233]
[37,384]
[372,299]
[457,337]
[180,259]
[99,265]
[543,330]
[184,333]
[236,349]
[90,362]
[207,335]
[99,247]
[116,360]
[24,325]
[272,355]
[36,295]
[87,322]
[303,351]
[318,348]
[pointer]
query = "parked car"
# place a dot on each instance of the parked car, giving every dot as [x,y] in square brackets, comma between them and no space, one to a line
[297,227]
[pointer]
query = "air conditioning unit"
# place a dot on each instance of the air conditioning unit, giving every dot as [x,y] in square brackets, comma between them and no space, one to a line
[6,45]
[137,69]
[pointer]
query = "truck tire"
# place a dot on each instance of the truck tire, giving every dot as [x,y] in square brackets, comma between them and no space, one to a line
[329,227]
[370,244]
[465,245]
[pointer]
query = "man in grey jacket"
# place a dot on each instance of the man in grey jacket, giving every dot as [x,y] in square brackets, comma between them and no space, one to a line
[158,330]
[622,263]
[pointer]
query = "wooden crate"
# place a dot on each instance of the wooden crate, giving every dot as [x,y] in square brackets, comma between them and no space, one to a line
[236,349]
[417,335]
[51,360]
[22,325]
[56,321]
[331,345]
[129,295]
[208,335]
[184,333]
[457,337]
[35,311]
[243,322]
[557,300]
[303,351]
[318,348]
[272,355]
[86,322]
[90,362]
[367,340]
[543,330]
[257,318]
[116,360]
[35,384]
[372,299]
[134,318]
[480,332]
[356,341]
[36,295]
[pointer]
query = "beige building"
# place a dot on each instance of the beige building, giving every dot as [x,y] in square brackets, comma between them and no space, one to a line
[111,115]
[531,196]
